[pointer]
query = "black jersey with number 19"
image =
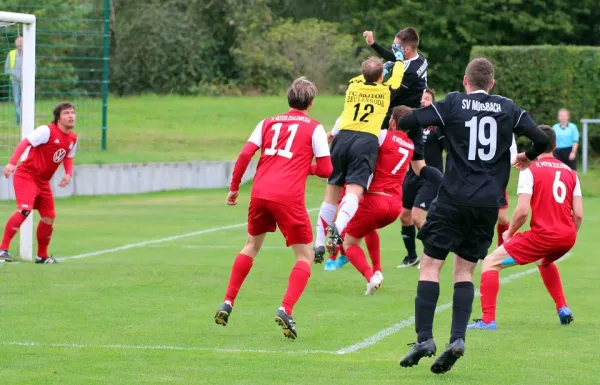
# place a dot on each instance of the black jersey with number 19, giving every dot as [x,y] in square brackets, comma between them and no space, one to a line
[479,132]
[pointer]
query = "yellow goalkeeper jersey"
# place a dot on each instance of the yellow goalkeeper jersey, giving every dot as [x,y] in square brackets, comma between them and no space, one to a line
[367,104]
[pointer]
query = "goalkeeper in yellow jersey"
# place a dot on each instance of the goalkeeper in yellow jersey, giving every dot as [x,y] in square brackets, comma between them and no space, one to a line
[354,149]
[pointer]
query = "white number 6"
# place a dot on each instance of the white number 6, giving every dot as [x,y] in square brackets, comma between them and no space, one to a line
[559,190]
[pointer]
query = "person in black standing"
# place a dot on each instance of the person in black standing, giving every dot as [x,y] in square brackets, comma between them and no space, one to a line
[479,132]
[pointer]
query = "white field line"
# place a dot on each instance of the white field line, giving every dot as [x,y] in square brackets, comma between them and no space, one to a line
[238,246]
[164,347]
[367,342]
[160,240]
[375,338]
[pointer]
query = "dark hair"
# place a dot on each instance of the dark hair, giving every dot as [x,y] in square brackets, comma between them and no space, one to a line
[480,73]
[301,93]
[551,137]
[430,92]
[398,112]
[372,68]
[60,107]
[409,36]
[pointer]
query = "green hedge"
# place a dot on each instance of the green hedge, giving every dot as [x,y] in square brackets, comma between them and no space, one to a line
[543,79]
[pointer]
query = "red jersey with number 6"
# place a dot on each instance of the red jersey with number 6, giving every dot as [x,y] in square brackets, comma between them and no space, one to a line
[395,153]
[552,186]
[49,147]
[288,143]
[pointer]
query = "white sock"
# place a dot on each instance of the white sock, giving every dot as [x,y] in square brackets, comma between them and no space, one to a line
[326,217]
[348,208]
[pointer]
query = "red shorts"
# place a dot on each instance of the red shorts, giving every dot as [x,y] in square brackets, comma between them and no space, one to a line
[374,212]
[264,216]
[505,199]
[526,248]
[33,194]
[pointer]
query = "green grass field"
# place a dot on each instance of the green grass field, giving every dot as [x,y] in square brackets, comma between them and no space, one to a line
[142,314]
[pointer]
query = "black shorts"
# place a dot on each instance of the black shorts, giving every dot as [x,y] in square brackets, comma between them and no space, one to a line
[562,154]
[353,155]
[467,231]
[417,192]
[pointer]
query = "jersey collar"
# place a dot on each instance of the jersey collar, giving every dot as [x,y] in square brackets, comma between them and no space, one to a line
[479,92]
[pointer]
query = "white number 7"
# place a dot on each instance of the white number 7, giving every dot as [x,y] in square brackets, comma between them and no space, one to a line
[404,153]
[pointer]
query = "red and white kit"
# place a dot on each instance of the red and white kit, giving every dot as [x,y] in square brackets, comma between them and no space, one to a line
[552,186]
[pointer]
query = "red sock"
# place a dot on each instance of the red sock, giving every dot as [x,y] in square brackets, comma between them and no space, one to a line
[357,257]
[239,272]
[490,286]
[501,229]
[372,241]
[296,285]
[551,278]
[12,226]
[44,232]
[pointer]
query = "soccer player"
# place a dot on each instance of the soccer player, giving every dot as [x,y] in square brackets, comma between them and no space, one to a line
[551,190]
[414,81]
[479,130]
[382,204]
[288,142]
[49,146]
[354,149]
[503,220]
[417,193]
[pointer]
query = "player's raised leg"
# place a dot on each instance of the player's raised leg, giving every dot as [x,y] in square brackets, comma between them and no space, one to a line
[552,281]
[327,213]
[241,267]
[346,211]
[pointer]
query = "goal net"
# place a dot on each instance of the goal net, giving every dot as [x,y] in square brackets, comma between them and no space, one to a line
[17,102]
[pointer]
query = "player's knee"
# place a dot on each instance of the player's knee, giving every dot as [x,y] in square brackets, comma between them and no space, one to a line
[406,217]
[430,269]
[418,217]
[25,213]
[503,217]
[47,220]
[355,189]
[463,270]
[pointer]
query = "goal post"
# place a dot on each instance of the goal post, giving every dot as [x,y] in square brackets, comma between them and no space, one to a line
[26,23]
[584,150]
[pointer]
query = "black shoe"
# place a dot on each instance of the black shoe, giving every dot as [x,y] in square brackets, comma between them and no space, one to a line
[333,239]
[447,359]
[45,260]
[5,256]
[319,254]
[418,351]
[409,261]
[223,313]
[287,324]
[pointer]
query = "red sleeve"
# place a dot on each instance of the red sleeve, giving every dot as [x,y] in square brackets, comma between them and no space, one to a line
[323,168]
[241,164]
[21,147]
[68,165]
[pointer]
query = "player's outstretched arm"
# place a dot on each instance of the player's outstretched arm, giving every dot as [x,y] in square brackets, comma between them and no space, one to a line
[395,80]
[384,53]
[241,165]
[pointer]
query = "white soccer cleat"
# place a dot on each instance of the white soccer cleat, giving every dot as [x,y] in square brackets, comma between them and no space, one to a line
[374,284]
[380,274]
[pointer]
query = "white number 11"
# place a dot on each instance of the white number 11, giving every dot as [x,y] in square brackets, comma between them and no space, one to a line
[285,152]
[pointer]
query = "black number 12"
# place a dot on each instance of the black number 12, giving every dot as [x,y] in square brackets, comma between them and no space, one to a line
[368,107]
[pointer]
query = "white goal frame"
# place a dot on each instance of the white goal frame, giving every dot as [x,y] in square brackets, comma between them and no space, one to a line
[584,161]
[27,106]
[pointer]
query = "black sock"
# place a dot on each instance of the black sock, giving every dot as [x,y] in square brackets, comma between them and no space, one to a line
[462,305]
[425,303]
[408,236]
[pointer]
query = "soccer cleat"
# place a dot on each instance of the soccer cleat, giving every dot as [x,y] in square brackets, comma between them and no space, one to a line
[565,315]
[330,265]
[45,260]
[480,325]
[374,284]
[287,323]
[409,261]
[447,359]
[223,313]
[341,261]
[319,254]
[5,256]
[333,238]
[418,351]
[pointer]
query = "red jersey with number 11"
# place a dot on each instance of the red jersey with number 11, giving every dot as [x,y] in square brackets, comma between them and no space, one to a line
[395,153]
[552,186]
[288,143]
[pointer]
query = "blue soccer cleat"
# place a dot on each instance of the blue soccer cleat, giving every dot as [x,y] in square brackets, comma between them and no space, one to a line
[480,325]
[341,261]
[565,315]
[330,265]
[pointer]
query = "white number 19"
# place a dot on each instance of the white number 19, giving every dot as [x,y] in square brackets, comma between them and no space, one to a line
[477,134]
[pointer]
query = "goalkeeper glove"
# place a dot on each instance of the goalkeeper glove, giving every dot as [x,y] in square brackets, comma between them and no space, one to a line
[398,52]
[387,67]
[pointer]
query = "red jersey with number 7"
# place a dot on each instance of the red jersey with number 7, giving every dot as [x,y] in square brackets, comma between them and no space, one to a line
[552,186]
[49,147]
[288,143]
[395,153]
